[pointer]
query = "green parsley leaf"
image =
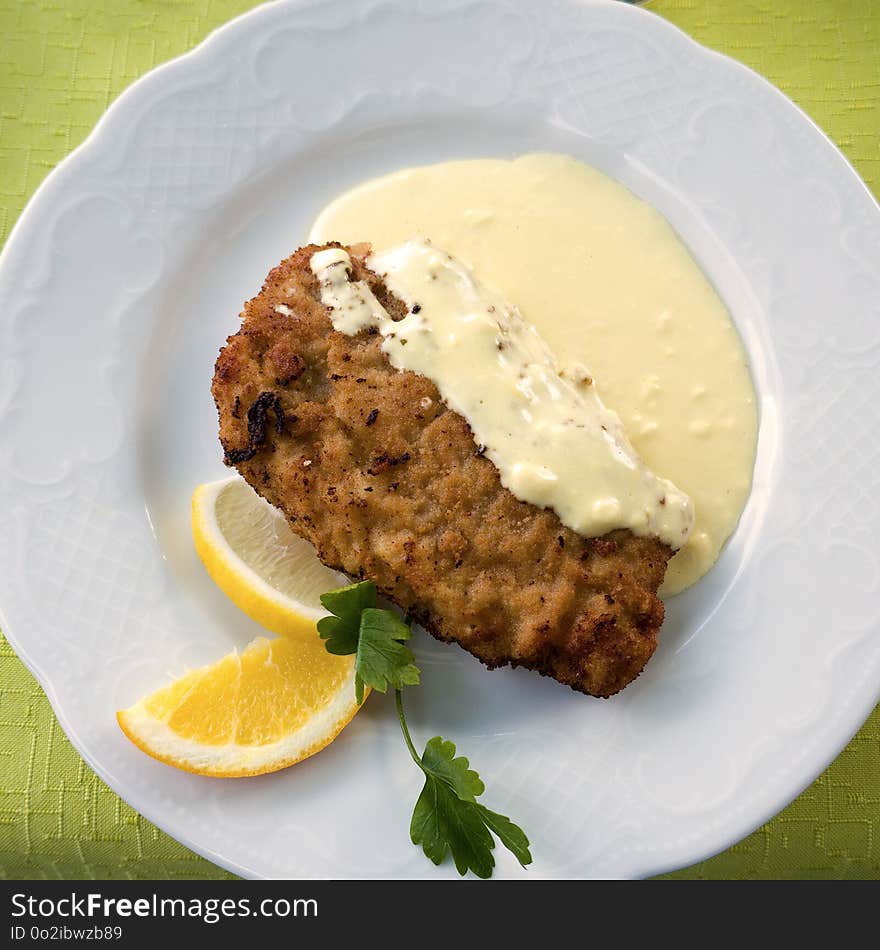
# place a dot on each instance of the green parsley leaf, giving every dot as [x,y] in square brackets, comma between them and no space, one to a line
[382,659]
[375,635]
[341,631]
[438,761]
[448,818]
[510,835]
[442,822]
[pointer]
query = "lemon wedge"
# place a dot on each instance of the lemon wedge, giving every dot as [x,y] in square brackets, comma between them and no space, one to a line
[275,704]
[257,561]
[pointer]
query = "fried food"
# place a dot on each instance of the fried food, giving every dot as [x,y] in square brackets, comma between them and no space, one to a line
[369,465]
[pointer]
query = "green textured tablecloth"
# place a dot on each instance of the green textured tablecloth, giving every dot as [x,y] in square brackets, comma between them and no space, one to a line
[61,64]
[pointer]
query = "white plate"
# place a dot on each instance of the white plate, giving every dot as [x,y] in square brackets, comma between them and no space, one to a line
[127,271]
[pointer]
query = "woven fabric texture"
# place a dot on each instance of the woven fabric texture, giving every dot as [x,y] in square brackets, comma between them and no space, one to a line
[61,64]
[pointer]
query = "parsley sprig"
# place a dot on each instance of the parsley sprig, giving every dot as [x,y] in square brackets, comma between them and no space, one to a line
[374,635]
[447,817]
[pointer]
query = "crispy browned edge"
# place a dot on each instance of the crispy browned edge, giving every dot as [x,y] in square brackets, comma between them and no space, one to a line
[369,465]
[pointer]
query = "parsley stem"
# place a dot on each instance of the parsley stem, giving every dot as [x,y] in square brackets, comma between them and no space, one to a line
[398,699]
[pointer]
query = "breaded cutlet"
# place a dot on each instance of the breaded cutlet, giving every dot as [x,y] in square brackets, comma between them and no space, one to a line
[369,465]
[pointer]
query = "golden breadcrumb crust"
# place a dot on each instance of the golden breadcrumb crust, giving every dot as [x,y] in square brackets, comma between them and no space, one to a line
[369,465]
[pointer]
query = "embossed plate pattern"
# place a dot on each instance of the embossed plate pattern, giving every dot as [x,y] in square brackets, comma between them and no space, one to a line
[127,270]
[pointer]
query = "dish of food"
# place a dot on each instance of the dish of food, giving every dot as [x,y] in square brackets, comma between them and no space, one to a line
[213,169]
[371,465]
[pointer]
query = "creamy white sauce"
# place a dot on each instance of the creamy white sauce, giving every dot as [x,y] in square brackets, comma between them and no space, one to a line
[551,438]
[609,285]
